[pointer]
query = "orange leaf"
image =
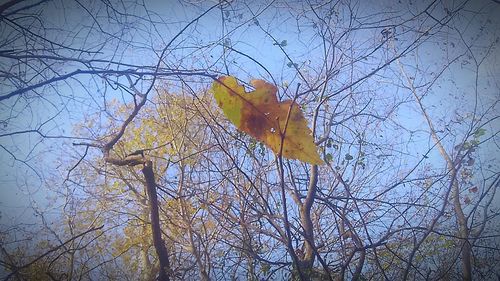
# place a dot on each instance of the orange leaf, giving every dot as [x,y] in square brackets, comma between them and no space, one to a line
[259,114]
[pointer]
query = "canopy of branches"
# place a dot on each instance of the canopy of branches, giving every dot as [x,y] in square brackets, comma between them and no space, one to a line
[249,140]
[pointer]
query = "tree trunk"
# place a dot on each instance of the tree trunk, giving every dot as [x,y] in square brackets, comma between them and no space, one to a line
[159,245]
[463,229]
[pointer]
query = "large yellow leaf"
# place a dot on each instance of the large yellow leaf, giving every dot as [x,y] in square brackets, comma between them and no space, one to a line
[259,114]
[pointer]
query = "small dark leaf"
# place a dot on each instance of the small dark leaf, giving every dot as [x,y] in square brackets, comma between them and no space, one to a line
[328,157]
[329,143]
[479,132]
[467,200]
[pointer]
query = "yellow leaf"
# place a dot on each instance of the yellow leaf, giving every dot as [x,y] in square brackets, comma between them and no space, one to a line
[259,114]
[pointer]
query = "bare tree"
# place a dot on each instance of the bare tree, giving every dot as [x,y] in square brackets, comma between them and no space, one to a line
[107,108]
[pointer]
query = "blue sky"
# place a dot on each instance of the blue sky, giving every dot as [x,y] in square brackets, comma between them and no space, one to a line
[454,91]
[249,39]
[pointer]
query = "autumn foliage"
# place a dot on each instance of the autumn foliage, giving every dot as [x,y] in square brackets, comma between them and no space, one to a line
[260,114]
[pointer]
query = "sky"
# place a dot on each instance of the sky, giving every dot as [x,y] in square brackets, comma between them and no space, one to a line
[20,186]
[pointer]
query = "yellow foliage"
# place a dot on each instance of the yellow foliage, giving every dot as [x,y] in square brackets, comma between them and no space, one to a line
[261,115]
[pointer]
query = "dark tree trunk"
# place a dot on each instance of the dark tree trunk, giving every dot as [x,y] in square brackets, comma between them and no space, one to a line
[159,245]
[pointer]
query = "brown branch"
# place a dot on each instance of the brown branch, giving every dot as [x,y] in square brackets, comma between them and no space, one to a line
[9,4]
[102,72]
[281,170]
[463,228]
[158,243]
